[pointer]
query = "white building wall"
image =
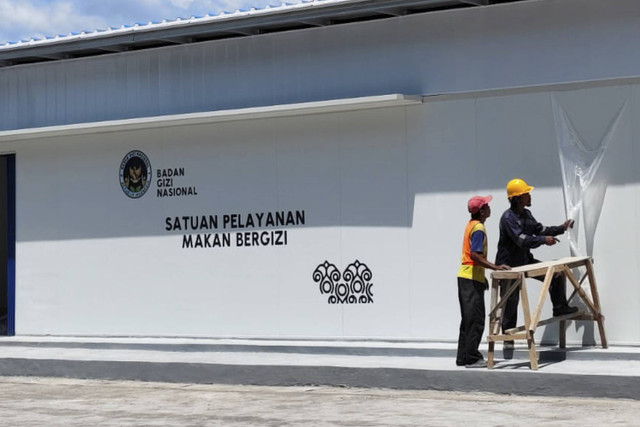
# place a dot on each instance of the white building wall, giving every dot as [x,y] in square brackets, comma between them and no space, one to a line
[522,44]
[386,187]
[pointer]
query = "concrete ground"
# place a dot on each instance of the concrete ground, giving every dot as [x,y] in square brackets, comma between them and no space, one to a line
[37,401]
[575,371]
[98,381]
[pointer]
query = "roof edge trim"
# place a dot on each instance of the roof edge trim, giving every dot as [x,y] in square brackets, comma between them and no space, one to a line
[251,113]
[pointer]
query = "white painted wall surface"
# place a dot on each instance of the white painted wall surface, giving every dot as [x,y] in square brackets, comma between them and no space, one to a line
[386,187]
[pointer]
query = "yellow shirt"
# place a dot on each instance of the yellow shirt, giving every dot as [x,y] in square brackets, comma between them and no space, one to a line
[468,269]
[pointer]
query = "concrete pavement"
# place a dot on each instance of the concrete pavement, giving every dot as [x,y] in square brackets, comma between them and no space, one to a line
[575,371]
[36,401]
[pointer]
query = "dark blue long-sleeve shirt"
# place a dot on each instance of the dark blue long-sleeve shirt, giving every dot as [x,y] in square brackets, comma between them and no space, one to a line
[518,235]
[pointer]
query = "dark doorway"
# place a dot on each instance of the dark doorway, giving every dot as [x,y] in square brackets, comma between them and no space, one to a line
[7,243]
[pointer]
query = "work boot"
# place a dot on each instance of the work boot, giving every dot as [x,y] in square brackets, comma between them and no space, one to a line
[565,309]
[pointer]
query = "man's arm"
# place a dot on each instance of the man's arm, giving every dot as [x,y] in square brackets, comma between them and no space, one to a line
[477,252]
[553,230]
[478,258]
[549,232]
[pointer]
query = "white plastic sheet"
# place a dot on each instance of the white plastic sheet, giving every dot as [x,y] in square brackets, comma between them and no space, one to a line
[584,189]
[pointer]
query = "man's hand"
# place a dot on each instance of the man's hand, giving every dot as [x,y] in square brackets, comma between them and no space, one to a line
[568,224]
[550,241]
[502,267]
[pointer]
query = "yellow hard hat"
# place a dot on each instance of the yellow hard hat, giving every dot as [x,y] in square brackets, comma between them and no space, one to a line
[517,187]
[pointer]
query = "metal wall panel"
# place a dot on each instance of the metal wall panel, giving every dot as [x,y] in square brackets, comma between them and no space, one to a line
[502,46]
[387,187]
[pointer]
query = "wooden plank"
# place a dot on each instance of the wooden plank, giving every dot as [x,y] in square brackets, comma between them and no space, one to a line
[517,329]
[533,356]
[581,281]
[494,321]
[586,316]
[580,291]
[596,302]
[530,326]
[594,288]
[578,262]
[603,337]
[494,292]
[543,295]
[505,275]
[509,337]
[505,297]
[572,262]
[495,316]
[537,272]
[540,268]
[526,309]
[580,315]
[584,276]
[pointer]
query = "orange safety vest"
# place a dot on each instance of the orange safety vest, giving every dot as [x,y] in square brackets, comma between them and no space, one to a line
[469,269]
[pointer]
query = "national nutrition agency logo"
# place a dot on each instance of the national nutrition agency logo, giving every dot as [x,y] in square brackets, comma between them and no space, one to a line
[135,174]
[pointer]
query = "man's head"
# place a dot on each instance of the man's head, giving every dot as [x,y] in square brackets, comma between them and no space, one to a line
[479,208]
[519,193]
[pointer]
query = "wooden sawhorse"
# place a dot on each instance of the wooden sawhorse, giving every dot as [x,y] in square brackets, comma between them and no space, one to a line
[517,277]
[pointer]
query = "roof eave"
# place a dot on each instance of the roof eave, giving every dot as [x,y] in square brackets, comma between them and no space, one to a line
[254,22]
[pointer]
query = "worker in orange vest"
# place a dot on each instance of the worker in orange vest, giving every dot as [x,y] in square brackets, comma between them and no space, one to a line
[472,283]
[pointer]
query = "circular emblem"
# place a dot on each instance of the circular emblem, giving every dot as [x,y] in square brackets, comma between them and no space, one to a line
[135,174]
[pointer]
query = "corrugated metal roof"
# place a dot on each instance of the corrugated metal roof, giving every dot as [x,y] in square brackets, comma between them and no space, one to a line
[178,22]
[283,17]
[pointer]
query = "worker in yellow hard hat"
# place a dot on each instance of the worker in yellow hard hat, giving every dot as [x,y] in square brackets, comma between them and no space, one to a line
[519,233]
[517,187]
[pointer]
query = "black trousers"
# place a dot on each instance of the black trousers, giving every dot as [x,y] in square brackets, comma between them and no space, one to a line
[557,292]
[471,298]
